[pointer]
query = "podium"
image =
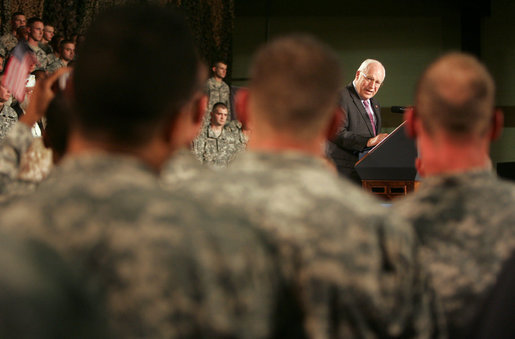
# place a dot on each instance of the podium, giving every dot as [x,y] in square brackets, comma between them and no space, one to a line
[388,170]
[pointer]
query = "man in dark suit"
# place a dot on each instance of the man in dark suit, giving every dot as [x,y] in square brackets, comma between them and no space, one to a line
[360,130]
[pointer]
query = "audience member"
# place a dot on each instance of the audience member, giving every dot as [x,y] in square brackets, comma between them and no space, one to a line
[8,116]
[55,43]
[66,54]
[354,268]
[48,34]
[219,142]
[170,267]
[35,29]
[462,213]
[42,297]
[22,33]
[217,90]
[20,138]
[495,319]
[9,40]
[360,129]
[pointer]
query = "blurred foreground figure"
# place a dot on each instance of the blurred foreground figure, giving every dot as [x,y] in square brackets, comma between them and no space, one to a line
[354,269]
[168,266]
[41,297]
[463,213]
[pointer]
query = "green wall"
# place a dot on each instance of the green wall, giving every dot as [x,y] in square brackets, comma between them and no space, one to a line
[404,40]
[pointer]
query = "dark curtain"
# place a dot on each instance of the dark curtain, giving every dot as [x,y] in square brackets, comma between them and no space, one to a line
[211,21]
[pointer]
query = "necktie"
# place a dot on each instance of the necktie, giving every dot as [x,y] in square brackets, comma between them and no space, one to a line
[370,115]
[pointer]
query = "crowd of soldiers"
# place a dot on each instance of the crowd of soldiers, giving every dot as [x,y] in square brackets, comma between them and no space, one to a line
[130,236]
[51,50]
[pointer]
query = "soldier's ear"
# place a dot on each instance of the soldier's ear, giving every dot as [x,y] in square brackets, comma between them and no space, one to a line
[497,124]
[242,106]
[336,121]
[409,117]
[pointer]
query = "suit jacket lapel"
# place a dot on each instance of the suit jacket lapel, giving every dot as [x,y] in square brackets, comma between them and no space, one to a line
[359,105]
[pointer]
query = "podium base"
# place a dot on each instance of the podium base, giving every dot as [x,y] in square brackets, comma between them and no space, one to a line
[389,189]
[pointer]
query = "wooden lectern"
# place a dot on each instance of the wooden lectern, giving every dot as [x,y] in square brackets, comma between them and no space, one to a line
[388,170]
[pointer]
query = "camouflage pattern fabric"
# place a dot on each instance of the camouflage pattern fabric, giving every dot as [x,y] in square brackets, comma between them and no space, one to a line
[466,225]
[15,144]
[54,65]
[217,92]
[46,48]
[8,118]
[42,297]
[51,58]
[218,151]
[180,168]
[7,42]
[170,267]
[41,58]
[353,267]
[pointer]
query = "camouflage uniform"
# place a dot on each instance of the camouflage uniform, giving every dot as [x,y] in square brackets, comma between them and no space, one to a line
[40,56]
[51,58]
[46,48]
[217,92]
[8,118]
[41,296]
[354,268]
[54,65]
[466,224]
[169,267]
[7,42]
[181,167]
[15,144]
[219,151]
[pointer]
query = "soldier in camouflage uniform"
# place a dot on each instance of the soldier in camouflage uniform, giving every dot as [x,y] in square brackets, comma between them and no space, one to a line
[218,143]
[48,34]
[9,40]
[66,54]
[169,266]
[20,138]
[463,213]
[354,267]
[8,116]
[181,168]
[35,29]
[42,297]
[217,90]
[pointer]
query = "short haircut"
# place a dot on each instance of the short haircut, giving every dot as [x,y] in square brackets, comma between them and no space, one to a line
[15,14]
[33,20]
[295,80]
[56,40]
[219,61]
[64,42]
[217,105]
[365,64]
[456,94]
[130,83]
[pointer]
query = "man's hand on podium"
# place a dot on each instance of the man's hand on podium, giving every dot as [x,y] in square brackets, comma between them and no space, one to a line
[377,139]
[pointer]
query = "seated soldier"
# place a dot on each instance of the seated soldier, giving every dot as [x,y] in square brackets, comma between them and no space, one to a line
[218,143]
[66,54]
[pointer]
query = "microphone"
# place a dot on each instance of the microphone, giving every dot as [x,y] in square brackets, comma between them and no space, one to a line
[398,109]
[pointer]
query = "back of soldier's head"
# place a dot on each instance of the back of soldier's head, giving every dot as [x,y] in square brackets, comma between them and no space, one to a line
[295,81]
[137,68]
[456,95]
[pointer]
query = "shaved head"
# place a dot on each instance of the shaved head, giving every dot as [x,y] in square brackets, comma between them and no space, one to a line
[456,95]
[295,81]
